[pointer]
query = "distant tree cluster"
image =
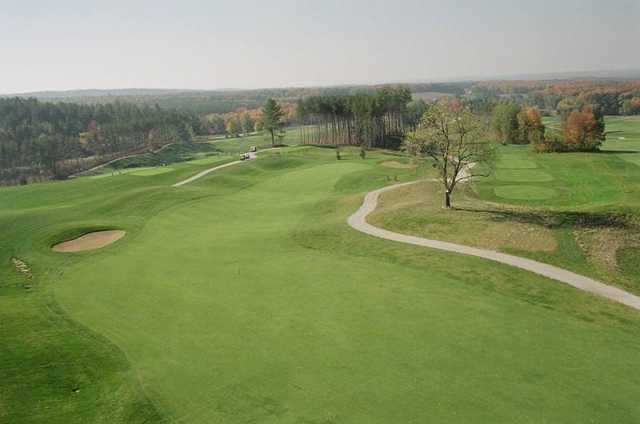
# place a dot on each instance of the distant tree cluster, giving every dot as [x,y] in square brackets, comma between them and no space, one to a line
[52,140]
[563,97]
[244,121]
[631,106]
[582,131]
[513,124]
[371,120]
[582,127]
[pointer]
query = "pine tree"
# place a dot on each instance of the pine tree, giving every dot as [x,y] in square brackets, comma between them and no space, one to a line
[272,118]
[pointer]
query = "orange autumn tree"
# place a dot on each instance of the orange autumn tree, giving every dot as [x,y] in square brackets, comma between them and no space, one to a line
[583,130]
[530,126]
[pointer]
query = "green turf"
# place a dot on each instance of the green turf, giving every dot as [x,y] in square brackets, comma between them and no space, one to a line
[151,171]
[142,171]
[523,175]
[525,192]
[629,260]
[515,161]
[245,297]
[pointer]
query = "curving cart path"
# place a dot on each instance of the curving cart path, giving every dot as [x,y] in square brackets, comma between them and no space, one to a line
[208,171]
[359,222]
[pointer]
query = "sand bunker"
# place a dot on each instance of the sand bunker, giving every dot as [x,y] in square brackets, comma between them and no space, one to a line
[90,241]
[397,165]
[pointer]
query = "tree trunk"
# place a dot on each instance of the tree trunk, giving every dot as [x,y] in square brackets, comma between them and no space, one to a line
[447,199]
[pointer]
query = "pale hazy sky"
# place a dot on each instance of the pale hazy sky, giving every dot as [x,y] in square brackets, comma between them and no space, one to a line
[71,44]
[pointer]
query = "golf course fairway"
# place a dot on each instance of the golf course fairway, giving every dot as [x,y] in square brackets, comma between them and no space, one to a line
[244,297]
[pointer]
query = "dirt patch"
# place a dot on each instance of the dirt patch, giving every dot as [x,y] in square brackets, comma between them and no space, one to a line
[90,241]
[397,165]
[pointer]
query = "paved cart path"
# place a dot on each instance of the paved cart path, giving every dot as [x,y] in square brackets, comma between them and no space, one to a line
[359,222]
[210,170]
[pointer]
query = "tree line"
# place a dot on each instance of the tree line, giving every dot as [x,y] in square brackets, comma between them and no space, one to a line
[41,140]
[564,97]
[244,120]
[582,128]
[369,120]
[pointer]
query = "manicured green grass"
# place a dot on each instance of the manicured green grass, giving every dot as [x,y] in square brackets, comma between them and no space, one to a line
[245,297]
[523,175]
[515,161]
[143,171]
[524,192]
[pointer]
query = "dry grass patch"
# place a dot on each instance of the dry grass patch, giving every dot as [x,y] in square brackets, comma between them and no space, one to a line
[417,210]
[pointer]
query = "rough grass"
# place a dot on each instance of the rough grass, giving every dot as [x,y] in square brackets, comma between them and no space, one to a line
[417,209]
[245,297]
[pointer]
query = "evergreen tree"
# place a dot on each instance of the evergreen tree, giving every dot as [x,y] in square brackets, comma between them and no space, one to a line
[272,118]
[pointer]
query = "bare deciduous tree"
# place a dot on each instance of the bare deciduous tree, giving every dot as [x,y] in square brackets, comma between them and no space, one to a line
[455,139]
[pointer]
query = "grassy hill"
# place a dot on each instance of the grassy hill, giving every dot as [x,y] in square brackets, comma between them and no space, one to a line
[245,297]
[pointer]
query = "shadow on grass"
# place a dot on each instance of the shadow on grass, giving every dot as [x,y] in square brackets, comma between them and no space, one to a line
[554,220]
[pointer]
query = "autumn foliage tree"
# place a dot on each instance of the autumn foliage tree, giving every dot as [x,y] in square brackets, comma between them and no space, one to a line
[631,106]
[233,127]
[583,130]
[530,127]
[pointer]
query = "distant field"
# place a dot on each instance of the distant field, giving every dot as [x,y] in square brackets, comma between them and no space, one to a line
[246,298]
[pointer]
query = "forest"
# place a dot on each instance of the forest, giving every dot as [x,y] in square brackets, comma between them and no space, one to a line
[377,119]
[42,140]
[615,97]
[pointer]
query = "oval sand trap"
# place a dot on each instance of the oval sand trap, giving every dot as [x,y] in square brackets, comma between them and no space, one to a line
[90,241]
